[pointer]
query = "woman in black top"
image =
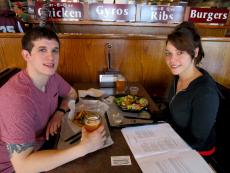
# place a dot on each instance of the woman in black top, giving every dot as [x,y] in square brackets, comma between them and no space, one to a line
[193,98]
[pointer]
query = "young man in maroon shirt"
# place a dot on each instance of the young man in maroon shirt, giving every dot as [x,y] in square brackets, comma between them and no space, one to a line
[29,111]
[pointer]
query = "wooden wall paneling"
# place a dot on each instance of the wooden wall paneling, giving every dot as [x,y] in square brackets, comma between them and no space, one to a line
[126,59]
[99,27]
[217,32]
[2,56]
[139,58]
[154,68]
[153,72]
[82,59]
[217,60]
[11,53]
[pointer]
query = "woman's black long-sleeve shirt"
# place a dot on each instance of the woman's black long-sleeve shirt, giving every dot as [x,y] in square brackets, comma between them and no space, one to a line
[194,110]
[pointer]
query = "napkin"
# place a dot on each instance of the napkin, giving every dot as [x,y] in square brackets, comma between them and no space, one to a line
[90,92]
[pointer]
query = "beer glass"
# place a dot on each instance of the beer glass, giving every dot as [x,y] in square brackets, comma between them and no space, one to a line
[120,84]
[92,121]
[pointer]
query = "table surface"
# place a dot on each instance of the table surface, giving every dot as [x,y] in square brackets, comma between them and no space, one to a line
[100,161]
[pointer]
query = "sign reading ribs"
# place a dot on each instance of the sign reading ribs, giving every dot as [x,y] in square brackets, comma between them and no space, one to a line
[162,14]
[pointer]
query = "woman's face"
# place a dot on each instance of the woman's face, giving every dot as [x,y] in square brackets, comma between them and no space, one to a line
[179,62]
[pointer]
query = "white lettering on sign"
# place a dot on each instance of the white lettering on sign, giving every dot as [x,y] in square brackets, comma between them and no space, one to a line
[62,13]
[9,28]
[162,15]
[111,11]
[209,16]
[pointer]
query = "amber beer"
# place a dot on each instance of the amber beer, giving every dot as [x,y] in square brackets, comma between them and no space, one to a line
[120,84]
[92,122]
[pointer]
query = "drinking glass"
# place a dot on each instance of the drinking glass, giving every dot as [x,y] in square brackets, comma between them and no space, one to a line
[117,117]
[133,90]
[92,121]
[120,84]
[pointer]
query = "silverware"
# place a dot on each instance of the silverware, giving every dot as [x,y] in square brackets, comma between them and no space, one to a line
[73,136]
[76,139]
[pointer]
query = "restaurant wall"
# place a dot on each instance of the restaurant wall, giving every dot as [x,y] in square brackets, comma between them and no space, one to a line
[139,58]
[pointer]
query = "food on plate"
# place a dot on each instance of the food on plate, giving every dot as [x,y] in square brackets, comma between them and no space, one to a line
[79,117]
[86,117]
[131,103]
[92,121]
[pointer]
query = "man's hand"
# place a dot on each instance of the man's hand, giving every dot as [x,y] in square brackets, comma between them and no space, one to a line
[93,140]
[54,124]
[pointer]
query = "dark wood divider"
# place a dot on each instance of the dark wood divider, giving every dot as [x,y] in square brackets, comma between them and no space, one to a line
[138,57]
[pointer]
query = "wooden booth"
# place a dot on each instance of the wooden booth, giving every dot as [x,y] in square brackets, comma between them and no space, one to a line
[138,57]
[137,33]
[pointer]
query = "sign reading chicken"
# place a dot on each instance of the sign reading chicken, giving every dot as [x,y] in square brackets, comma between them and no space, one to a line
[60,10]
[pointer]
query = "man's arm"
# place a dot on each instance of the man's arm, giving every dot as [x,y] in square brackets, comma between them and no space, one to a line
[25,159]
[55,123]
[72,95]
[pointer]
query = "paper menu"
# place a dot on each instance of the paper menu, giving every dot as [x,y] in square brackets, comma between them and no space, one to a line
[176,162]
[153,139]
[160,148]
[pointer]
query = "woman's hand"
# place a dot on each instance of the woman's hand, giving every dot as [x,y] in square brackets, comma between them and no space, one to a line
[54,124]
[93,141]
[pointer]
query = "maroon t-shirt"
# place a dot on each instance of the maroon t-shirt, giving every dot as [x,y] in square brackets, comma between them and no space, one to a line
[10,23]
[25,111]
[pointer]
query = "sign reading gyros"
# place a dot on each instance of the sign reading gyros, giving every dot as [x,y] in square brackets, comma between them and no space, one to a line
[162,14]
[112,12]
[208,15]
[61,10]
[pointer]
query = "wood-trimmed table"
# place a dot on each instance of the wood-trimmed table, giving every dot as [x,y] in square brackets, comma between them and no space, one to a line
[100,161]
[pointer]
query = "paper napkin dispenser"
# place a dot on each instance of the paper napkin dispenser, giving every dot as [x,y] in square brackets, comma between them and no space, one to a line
[107,80]
[108,77]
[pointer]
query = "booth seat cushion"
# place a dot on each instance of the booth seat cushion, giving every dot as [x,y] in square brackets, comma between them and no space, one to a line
[6,74]
[220,158]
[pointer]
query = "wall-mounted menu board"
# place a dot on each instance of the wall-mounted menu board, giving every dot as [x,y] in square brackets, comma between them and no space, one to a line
[112,12]
[208,15]
[94,11]
[61,10]
[161,14]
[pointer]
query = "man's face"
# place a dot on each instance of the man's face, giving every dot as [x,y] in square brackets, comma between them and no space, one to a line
[44,57]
